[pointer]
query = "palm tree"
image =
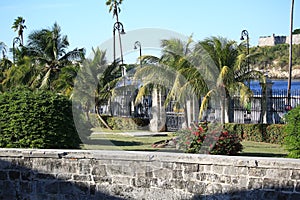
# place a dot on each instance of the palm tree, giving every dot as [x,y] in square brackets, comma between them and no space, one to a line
[48,48]
[19,25]
[114,7]
[95,82]
[232,73]
[184,83]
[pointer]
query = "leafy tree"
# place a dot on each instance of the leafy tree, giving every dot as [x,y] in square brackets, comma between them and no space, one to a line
[95,83]
[232,75]
[296,31]
[114,6]
[184,78]
[292,130]
[19,25]
[48,48]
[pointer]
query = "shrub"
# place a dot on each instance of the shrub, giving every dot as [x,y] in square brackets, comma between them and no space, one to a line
[271,133]
[274,133]
[292,129]
[39,119]
[125,123]
[212,139]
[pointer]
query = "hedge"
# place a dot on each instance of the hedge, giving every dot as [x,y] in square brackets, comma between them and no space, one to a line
[36,119]
[270,133]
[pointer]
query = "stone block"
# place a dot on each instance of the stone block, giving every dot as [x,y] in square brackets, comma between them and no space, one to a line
[164,174]
[141,182]
[287,185]
[100,179]
[280,173]
[270,183]
[121,180]
[257,172]
[3,175]
[295,174]
[297,188]
[255,183]
[65,188]
[114,169]
[52,188]
[195,187]
[14,175]
[177,174]
[82,178]
[26,187]
[99,170]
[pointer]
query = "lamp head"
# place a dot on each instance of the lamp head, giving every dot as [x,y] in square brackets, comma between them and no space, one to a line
[122,31]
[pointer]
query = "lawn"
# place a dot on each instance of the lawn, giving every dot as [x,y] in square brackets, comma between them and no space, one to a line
[118,141]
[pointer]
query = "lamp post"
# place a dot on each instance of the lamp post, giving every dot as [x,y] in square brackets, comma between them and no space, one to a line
[245,33]
[137,44]
[120,28]
[288,107]
[16,40]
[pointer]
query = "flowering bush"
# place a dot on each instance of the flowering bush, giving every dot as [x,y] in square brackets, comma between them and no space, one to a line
[209,138]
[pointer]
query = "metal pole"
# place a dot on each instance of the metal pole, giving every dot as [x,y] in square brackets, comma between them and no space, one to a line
[290,56]
[136,45]
[114,46]
[246,34]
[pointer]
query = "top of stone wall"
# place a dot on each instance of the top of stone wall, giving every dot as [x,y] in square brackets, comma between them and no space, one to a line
[152,157]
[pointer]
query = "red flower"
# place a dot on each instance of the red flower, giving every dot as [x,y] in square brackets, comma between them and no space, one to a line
[225,133]
[196,133]
[201,129]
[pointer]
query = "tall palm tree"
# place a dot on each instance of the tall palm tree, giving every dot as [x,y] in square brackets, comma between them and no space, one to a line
[19,25]
[184,81]
[95,82]
[114,6]
[232,73]
[48,48]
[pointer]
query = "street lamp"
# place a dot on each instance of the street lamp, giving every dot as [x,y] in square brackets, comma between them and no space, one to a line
[120,28]
[246,34]
[137,44]
[16,40]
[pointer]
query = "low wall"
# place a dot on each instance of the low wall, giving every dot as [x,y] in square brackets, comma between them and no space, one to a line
[82,174]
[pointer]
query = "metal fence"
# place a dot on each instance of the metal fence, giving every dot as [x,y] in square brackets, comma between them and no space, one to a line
[265,108]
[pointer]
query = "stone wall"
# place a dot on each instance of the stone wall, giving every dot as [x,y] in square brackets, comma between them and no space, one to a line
[82,174]
[274,40]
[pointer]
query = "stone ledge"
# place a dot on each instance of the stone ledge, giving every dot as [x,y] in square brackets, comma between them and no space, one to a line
[238,161]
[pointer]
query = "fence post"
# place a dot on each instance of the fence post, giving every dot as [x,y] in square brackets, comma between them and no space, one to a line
[267,102]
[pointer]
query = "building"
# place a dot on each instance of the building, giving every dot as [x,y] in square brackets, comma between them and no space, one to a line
[274,40]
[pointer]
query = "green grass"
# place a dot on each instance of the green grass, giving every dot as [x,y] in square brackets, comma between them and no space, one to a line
[115,140]
[262,149]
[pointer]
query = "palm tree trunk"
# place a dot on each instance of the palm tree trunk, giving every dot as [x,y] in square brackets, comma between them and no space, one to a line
[101,119]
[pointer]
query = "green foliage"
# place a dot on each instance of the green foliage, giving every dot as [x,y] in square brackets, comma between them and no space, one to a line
[39,119]
[277,56]
[125,123]
[292,129]
[271,133]
[211,139]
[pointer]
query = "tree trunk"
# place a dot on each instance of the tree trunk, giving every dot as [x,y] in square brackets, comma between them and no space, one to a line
[101,119]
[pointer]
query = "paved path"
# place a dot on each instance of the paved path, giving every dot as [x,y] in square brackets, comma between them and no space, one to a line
[137,134]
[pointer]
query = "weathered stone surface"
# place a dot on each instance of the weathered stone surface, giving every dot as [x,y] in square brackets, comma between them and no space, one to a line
[72,174]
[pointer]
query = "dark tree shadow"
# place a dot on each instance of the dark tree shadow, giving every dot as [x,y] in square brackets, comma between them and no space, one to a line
[18,182]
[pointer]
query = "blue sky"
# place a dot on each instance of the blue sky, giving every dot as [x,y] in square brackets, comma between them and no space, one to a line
[88,22]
